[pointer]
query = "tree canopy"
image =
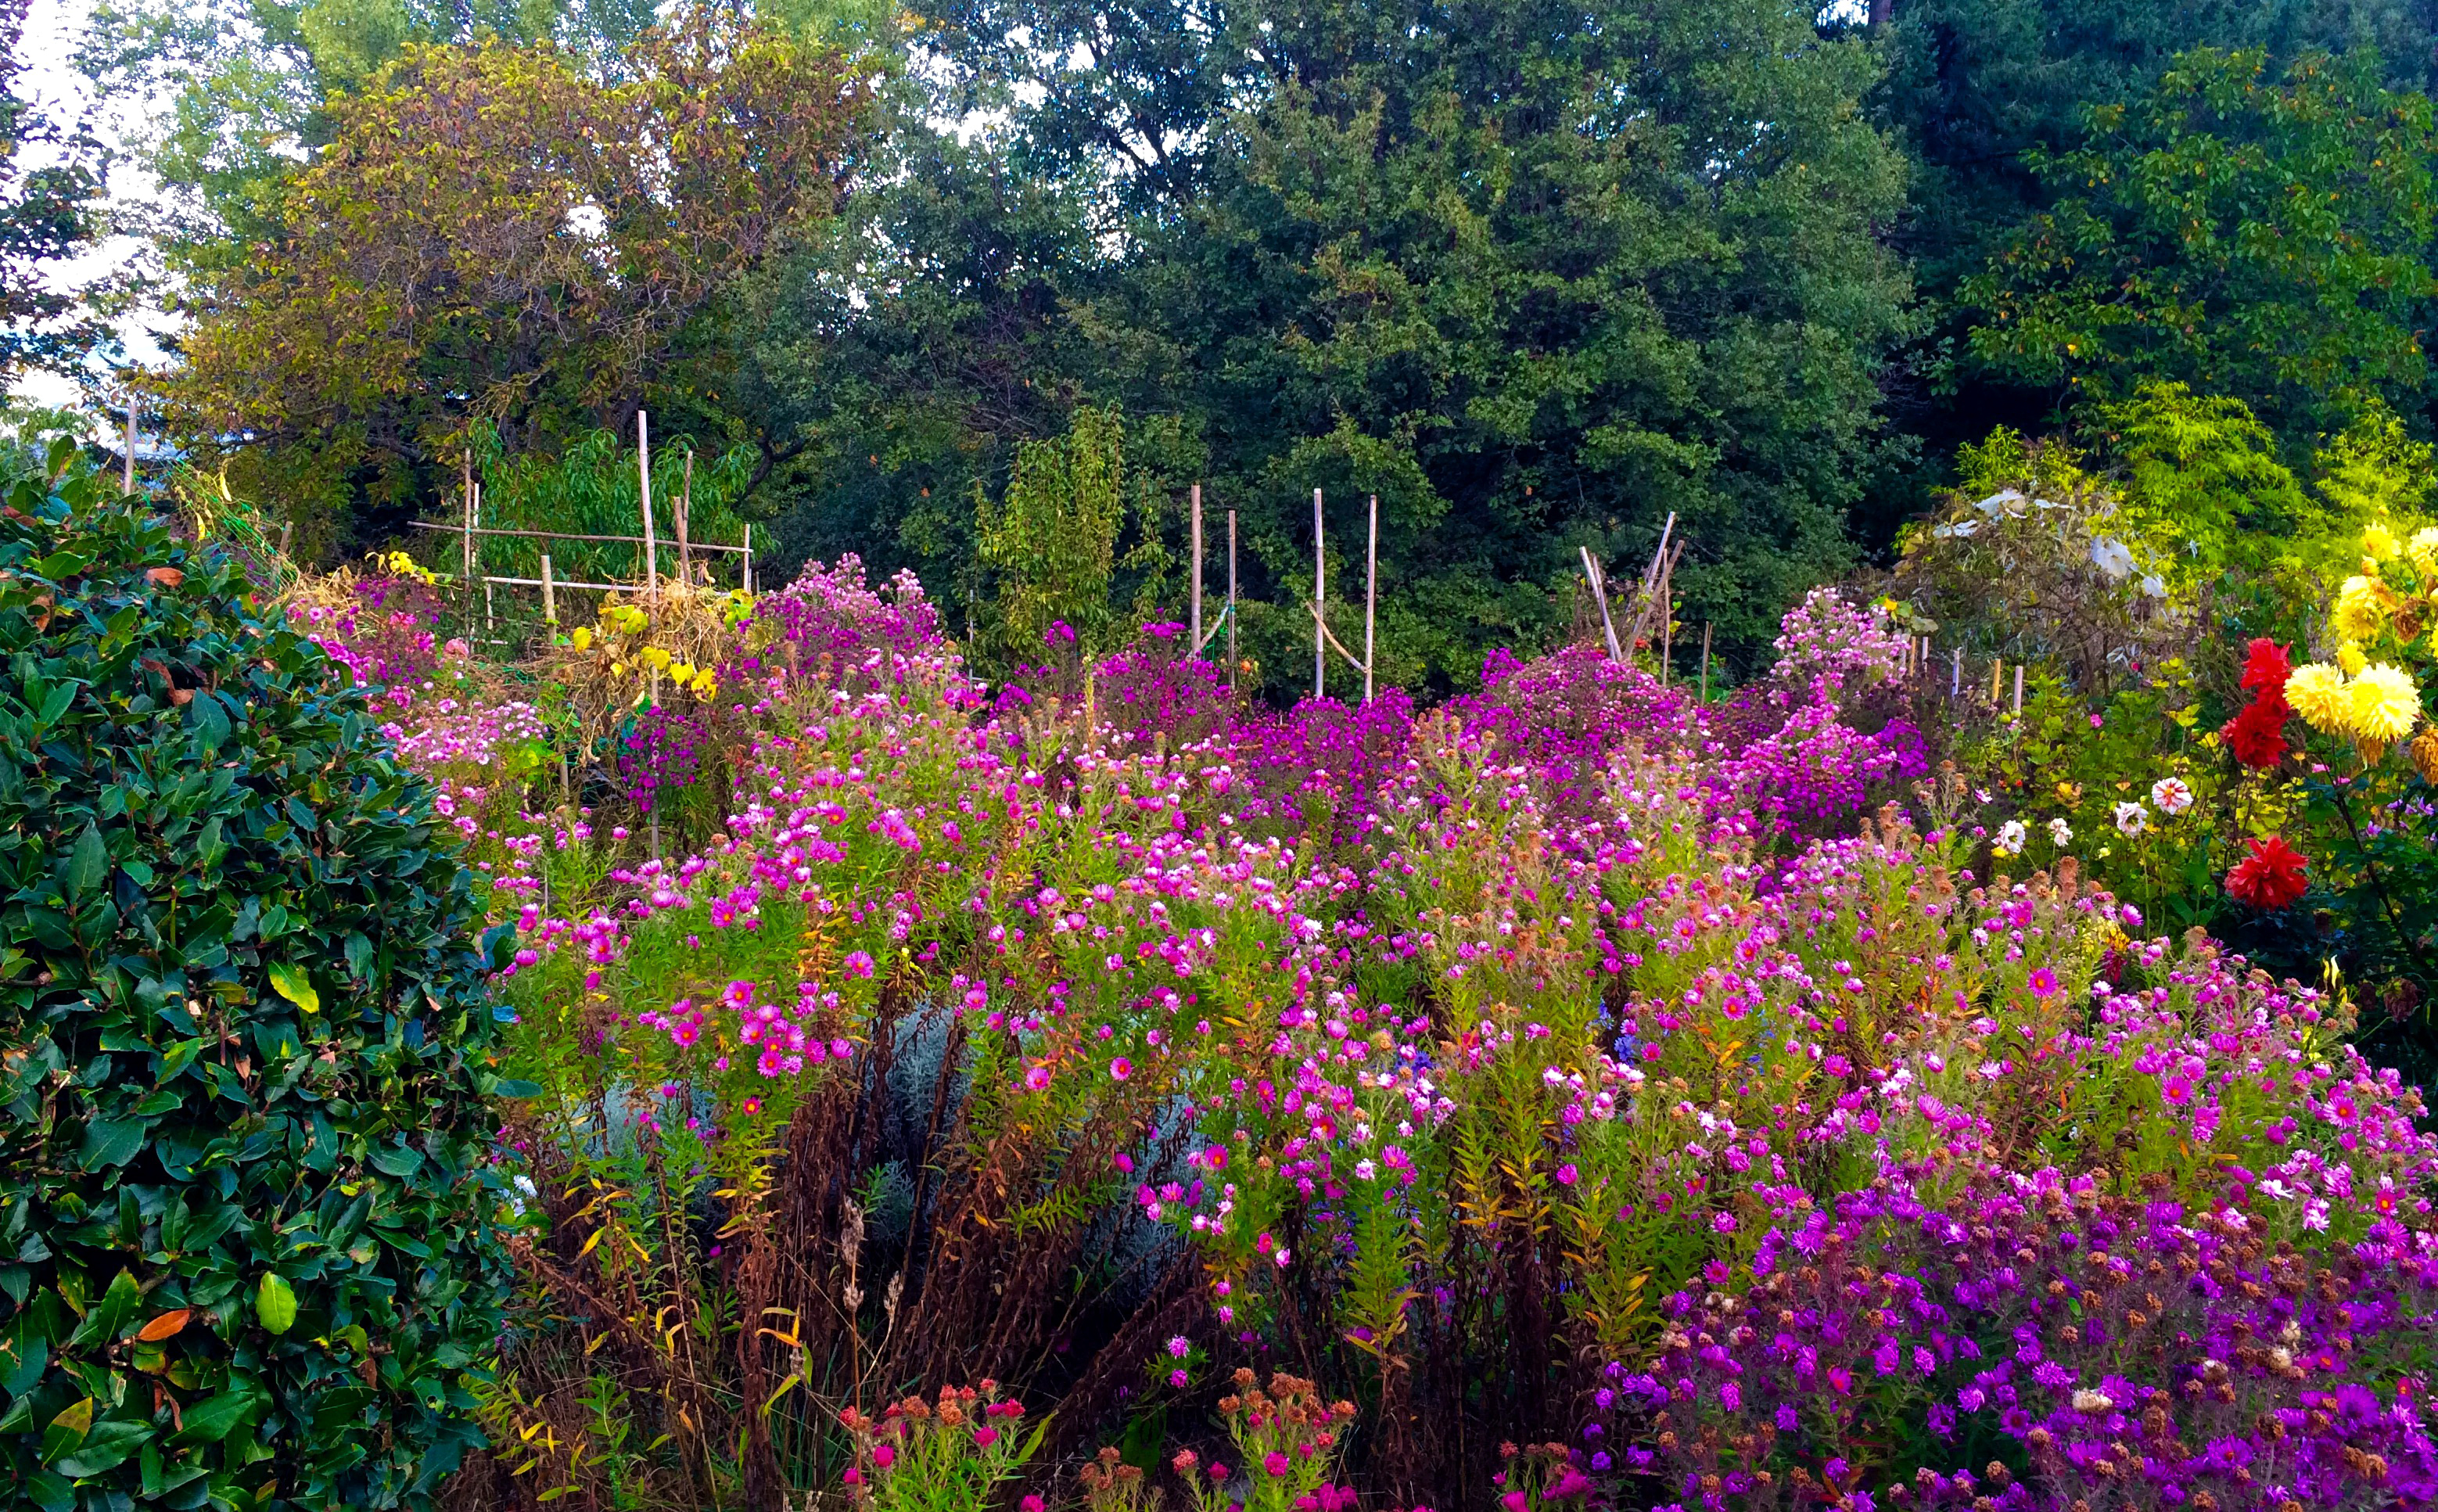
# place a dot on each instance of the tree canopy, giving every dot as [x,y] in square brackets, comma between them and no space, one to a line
[1538,273]
[495,232]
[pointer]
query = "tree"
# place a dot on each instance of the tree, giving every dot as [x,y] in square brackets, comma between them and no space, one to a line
[2257,238]
[493,232]
[47,214]
[1535,274]
[1052,541]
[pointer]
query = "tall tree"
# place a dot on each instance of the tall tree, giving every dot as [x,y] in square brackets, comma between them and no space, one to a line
[1978,91]
[2261,237]
[495,232]
[49,183]
[1537,273]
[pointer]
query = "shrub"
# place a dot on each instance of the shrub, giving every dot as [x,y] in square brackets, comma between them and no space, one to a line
[245,1254]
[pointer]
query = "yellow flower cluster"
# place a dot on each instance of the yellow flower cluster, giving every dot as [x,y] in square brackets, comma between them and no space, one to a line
[398,564]
[2377,703]
[626,619]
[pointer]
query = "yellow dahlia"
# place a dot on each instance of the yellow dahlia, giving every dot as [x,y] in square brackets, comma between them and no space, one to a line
[2378,543]
[2382,704]
[2350,659]
[2316,691]
[2358,613]
[2423,548]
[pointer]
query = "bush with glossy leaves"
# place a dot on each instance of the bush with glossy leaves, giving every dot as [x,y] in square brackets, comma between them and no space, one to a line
[248,1254]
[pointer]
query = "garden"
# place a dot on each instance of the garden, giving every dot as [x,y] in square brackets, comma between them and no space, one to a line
[733,1053]
[664,845]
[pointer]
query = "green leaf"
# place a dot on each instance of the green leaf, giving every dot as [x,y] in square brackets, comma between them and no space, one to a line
[109,1446]
[208,720]
[294,985]
[178,1057]
[215,1418]
[67,1429]
[274,1303]
[512,1088]
[88,863]
[110,1142]
[66,562]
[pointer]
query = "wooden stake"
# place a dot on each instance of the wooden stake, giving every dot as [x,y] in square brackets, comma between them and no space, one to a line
[1231,606]
[748,560]
[2019,690]
[549,595]
[1666,619]
[1996,670]
[1320,603]
[1955,678]
[1371,596]
[685,503]
[466,539]
[1600,595]
[129,476]
[287,528]
[1195,628]
[1706,661]
[644,486]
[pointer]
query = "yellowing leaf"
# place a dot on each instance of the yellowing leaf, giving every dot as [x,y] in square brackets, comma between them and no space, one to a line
[274,1303]
[292,984]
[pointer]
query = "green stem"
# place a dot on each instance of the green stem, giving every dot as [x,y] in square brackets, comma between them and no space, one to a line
[2387,904]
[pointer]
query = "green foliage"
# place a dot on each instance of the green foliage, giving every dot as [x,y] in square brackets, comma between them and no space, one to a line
[1053,540]
[244,1042]
[1534,276]
[590,489]
[2260,235]
[47,214]
[2202,483]
[505,233]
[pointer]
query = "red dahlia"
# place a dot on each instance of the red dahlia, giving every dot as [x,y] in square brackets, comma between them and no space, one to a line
[2270,877]
[2257,735]
[2266,666]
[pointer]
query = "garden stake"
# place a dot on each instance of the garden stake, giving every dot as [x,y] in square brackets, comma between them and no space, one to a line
[1319,603]
[129,486]
[1194,630]
[549,595]
[2019,690]
[1231,606]
[1706,661]
[685,503]
[1371,595]
[466,536]
[651,547]
[1955,679]
[1600,595]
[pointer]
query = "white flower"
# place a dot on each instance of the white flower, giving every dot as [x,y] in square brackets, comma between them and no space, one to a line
[2061,831]
[2011,835]
[2172,794]
[2132,819]
[2094,1402]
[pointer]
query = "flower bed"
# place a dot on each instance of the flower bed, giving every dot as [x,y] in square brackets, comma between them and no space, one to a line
[1572,1065]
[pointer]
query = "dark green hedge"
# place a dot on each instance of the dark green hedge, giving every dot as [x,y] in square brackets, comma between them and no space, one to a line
[247,1254]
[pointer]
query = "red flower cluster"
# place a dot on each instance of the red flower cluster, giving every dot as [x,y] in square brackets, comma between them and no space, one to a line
[2270,877]
[2257,734]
